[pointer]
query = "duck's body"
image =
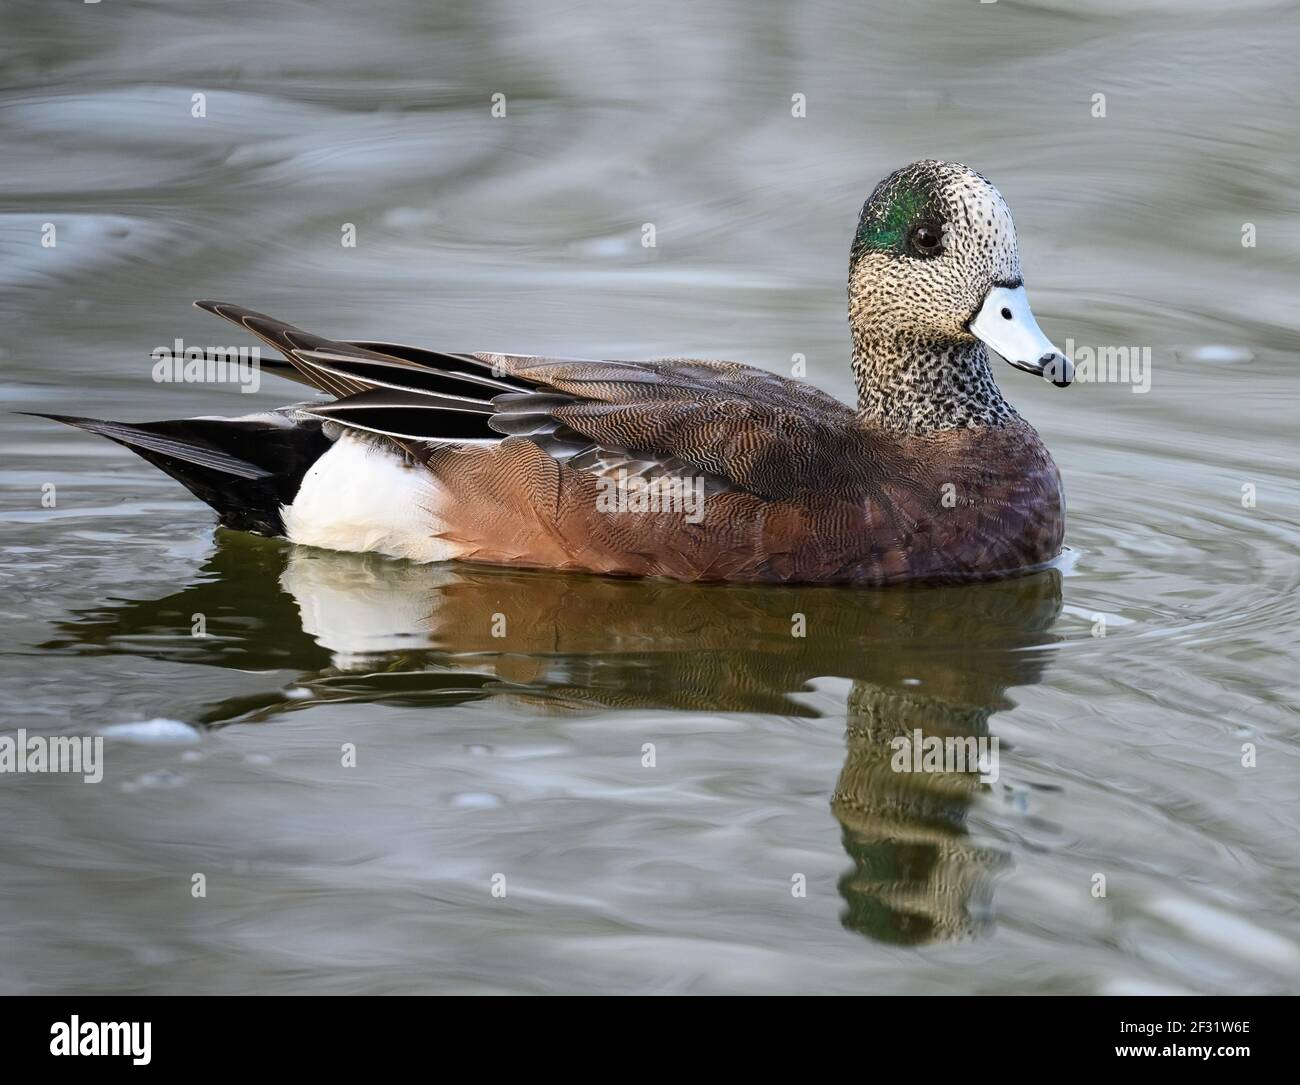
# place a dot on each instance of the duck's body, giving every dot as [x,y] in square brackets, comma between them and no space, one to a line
[695,470]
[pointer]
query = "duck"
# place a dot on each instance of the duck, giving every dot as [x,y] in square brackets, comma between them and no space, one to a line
[696,470]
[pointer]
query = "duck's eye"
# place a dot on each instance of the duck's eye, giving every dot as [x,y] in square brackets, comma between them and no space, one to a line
[927,240]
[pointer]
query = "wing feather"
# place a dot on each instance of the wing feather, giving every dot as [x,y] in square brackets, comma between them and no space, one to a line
[742,426]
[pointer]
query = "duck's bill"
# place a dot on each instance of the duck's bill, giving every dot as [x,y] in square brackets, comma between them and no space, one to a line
[1007,325]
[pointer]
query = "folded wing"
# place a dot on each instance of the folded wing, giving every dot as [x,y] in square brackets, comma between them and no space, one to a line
[744,427]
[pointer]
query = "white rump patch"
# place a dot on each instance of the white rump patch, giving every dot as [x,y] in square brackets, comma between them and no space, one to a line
[362,497]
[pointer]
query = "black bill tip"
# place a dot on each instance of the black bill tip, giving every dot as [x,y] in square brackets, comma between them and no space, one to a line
[1057,368]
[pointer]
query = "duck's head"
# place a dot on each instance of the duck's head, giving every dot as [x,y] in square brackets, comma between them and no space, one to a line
[934,265]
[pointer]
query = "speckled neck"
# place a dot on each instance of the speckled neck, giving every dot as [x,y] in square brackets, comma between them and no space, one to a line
[911,386]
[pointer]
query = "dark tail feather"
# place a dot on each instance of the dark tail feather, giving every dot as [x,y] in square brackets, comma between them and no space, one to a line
[341,368]
[245,468]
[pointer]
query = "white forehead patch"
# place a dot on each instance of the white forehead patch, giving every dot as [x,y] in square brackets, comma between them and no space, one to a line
[981,224]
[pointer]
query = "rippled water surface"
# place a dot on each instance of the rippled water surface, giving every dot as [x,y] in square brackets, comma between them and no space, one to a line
[476,756]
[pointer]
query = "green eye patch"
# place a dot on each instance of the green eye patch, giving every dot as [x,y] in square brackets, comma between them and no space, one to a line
[899,202]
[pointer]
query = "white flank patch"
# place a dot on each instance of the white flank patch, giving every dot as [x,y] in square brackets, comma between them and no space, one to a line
[362,497]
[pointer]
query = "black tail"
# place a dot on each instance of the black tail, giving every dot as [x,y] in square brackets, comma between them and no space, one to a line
[245,468]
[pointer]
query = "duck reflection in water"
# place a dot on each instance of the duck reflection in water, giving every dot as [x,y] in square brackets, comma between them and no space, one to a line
[367,630]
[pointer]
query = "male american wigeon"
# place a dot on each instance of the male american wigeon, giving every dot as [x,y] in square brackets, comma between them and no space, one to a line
[696,470]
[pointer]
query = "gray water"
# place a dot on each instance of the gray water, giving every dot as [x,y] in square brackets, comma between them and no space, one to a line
[1121,754]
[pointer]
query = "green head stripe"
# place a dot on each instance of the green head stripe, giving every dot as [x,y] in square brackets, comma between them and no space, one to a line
[886,217]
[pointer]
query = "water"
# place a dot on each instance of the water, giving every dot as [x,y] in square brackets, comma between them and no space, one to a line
[1120,755]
